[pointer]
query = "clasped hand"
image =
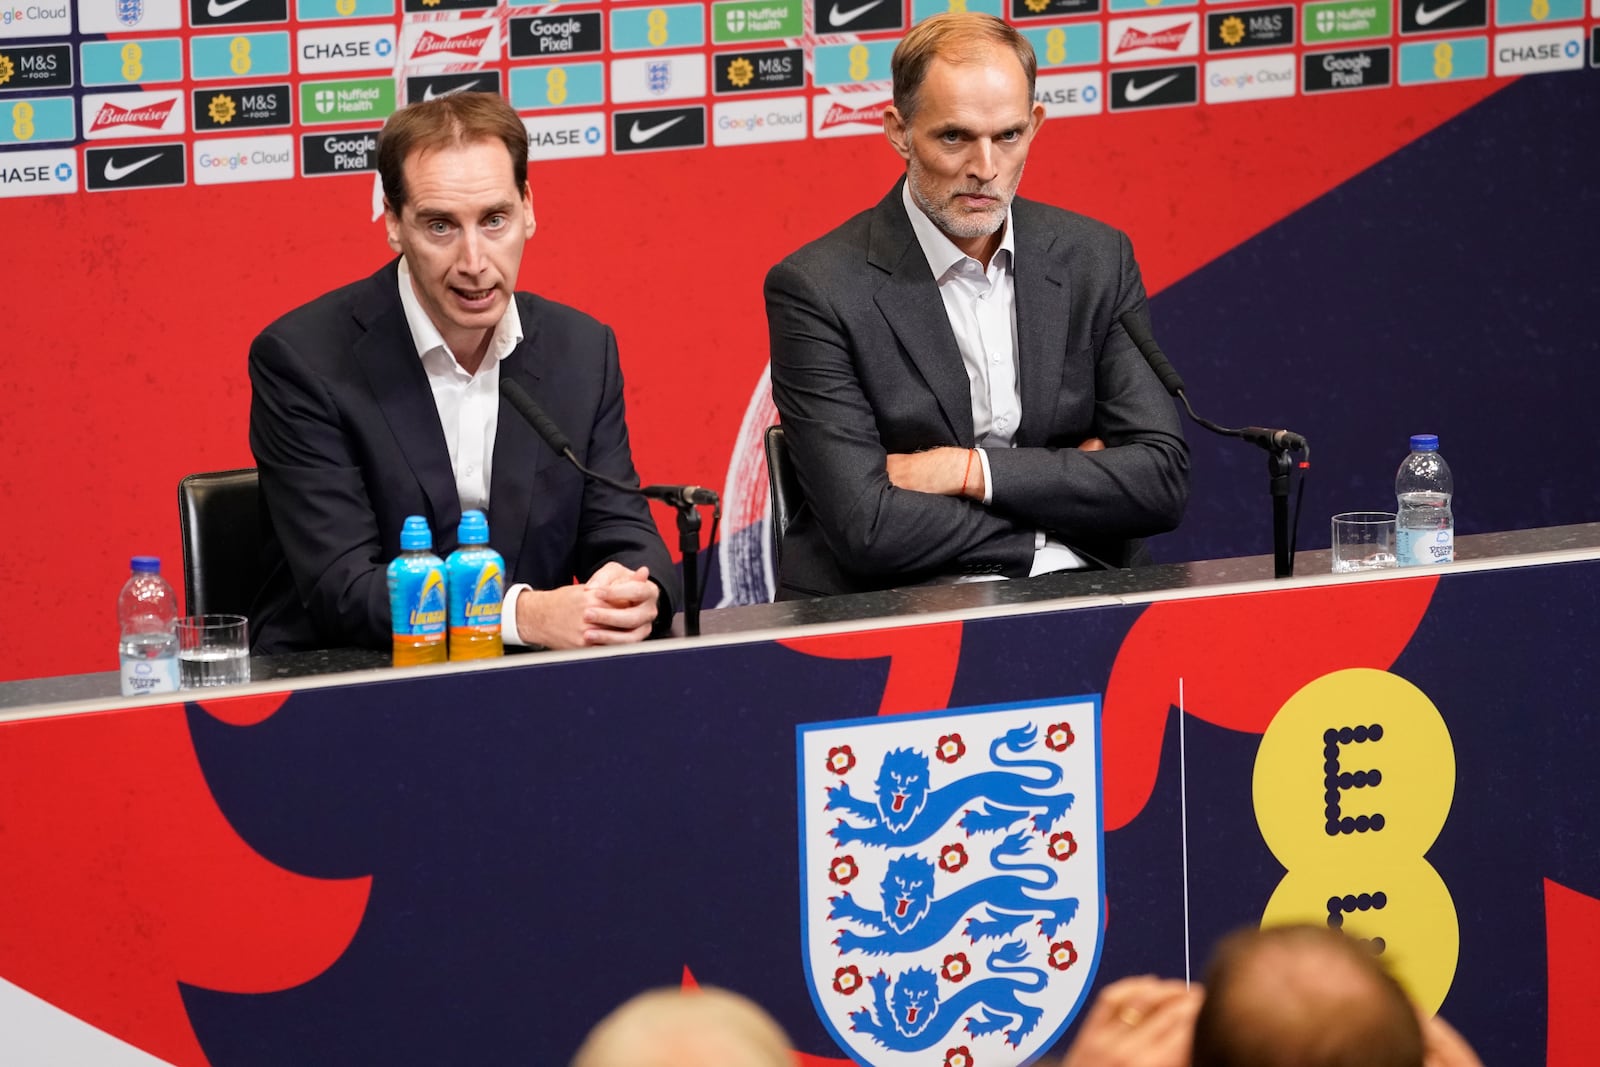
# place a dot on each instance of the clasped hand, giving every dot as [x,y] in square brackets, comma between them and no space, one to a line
[616,606]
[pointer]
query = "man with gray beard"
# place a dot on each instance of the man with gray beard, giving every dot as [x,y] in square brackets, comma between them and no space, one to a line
[958,395]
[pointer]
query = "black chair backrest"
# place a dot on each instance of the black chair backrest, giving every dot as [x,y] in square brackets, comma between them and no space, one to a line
[220,516]
[783,489]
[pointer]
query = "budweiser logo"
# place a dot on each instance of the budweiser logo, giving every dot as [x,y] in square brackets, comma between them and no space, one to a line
[1169,39]
[153,115]
[838,114]
[466,44]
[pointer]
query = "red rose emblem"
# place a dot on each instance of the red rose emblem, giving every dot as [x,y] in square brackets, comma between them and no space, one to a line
[846,980]
[1062,845]
[1058,737]
[951,748]
[957,1057]
[841,759]
[1062,955]
[952,858]
[956,967]
[843,870]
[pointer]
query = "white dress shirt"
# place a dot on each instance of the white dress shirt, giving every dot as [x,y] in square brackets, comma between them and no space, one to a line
[982,308]
[469,411]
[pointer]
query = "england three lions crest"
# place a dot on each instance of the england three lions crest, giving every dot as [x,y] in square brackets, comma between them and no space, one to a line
[951,880]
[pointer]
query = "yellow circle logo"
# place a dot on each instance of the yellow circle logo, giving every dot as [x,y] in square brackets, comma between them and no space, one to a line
[222,109]
[6,69]
[740,73]
[1231,30]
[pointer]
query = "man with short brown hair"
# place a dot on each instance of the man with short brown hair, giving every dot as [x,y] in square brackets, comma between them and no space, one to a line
[382,400]
[958,395]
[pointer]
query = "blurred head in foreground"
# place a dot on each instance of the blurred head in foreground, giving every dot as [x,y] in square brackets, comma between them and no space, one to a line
[686,1028]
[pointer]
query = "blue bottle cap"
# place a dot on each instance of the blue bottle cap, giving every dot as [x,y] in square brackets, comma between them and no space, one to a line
[415,534]
[146,564]
[474,528]
[1424,442]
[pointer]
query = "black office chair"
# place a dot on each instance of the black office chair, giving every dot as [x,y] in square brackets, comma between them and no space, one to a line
[219,513]
[783,487]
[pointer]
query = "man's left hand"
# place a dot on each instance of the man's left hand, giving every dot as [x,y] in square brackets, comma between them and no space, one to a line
[629,601]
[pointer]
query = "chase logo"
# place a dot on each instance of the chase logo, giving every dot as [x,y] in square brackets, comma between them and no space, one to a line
[1250,28]
[951,880]
[146,61]
[558,85]
[38,121]
[1536,51]
[335,49]
[203,13]
[145,166]
[1072,44]
[331,10]
[35,67]
[44,173]
[653,131]
[566,136]
[1069,95]
[636,29]
[557,36]
[851,64]
[123,16]
[432,86]
[1439,16]
[239,55]
[1045,9]
[1536,12]
[666,78]
[1450,59]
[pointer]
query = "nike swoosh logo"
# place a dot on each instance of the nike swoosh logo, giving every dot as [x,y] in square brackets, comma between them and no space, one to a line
[1135,93]
[115,173]
[1425,17]
[429,94]
[837,18]
[640,134]
[216,10]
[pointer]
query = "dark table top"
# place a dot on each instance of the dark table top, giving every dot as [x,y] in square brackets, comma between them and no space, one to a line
[1054,592]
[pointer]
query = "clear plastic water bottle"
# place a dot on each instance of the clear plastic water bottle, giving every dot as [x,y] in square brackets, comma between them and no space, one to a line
[419,605]
[476,576]
[147,614]
[1425,528]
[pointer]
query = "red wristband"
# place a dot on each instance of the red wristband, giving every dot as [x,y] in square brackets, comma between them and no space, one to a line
[972,454]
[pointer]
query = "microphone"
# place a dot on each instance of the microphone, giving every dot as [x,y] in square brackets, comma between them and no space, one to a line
[1273,440]
[683,496]
[1139,334]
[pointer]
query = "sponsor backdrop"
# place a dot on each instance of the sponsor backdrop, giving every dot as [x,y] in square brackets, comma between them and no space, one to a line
[474,867]
[1362,218]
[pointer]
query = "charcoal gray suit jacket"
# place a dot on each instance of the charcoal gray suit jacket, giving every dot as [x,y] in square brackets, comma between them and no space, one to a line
[864,363]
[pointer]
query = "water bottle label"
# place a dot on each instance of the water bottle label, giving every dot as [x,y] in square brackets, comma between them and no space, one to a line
[477,589]
[1425,548]
[417,602]
[143,676]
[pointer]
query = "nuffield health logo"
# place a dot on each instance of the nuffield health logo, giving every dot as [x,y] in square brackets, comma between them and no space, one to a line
[952,880]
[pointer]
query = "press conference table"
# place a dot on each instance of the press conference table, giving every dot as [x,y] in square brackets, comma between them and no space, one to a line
[347,863]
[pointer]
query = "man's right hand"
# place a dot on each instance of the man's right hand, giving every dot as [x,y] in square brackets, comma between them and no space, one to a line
[614,607]
[1138,1022]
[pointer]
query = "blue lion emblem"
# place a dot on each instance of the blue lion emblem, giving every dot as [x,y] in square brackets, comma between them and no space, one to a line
[911,919]
[906,811]
[913,1018]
